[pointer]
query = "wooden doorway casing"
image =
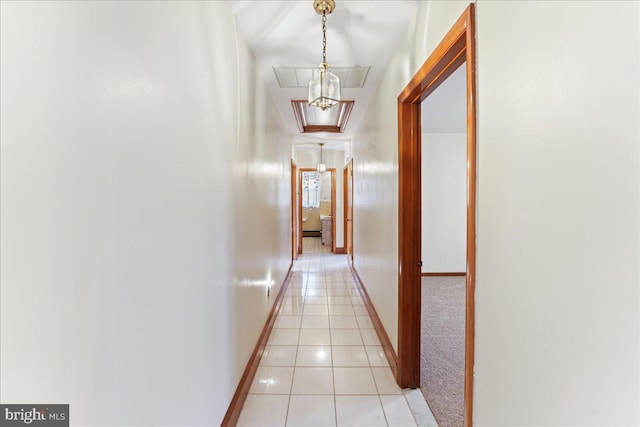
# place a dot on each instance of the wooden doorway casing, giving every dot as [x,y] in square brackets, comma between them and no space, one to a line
[348,209]
[333,207]
[294,211]
[298,203]
[457,47]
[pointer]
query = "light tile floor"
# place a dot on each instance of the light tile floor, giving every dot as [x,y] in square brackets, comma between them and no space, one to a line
[323,364]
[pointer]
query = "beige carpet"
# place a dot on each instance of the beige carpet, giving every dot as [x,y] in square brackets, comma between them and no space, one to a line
[442,352]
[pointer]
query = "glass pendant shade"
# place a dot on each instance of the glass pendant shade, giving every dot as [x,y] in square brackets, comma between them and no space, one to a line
[321,166]
[324,88]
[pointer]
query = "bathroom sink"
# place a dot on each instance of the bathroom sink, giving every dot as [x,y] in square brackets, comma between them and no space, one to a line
[324,217]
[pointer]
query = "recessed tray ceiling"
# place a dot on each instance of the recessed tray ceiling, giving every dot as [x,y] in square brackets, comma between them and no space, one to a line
[312,119]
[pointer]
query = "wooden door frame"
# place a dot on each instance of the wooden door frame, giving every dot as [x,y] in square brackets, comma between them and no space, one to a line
[333,209]
[456,48]
[347,181]
[299,203]
[333,206]
[294,204]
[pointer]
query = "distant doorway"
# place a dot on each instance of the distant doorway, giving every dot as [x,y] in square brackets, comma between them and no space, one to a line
[317,209]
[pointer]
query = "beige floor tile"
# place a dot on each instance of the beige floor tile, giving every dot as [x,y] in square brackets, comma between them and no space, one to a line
[279,355]
[364,322]
[377,357]
[341,310]
[397,411]
[419,407]
[338,292]
[287,322]
[354,381]
[343,322]
[315,322]
[339,300]
[356,300]
[314,355]
[370,337]
[315,337]
[272,380]
[316,381]
[385,381]
[306,411]
[359,411]
[315,292]
[264,410]
[360,310]
[349,356]
[291,309]
[346,337]
[284,337]
[316,310]
[316,300]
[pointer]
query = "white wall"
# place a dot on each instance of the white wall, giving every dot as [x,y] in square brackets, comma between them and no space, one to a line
[132,269]
[444,196]
[558,206]
[558,218]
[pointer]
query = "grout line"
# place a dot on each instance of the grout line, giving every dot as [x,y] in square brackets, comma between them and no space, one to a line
[293,374]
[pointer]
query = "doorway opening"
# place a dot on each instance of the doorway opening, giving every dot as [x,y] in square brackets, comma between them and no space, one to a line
[444,155]
[456,49]
[317,210]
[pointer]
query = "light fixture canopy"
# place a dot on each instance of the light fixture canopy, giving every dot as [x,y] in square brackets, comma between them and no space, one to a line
[324,86]
[321,166]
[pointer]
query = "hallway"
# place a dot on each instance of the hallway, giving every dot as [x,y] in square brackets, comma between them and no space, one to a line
[323,364]
[150,161]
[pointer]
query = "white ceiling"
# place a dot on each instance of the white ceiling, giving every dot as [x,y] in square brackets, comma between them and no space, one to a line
[289,34]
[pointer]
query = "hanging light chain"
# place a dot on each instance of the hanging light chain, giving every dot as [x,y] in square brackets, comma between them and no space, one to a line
[324,37]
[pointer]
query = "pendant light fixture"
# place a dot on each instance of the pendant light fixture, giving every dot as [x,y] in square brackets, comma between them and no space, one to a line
[324,87]
[321,166]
